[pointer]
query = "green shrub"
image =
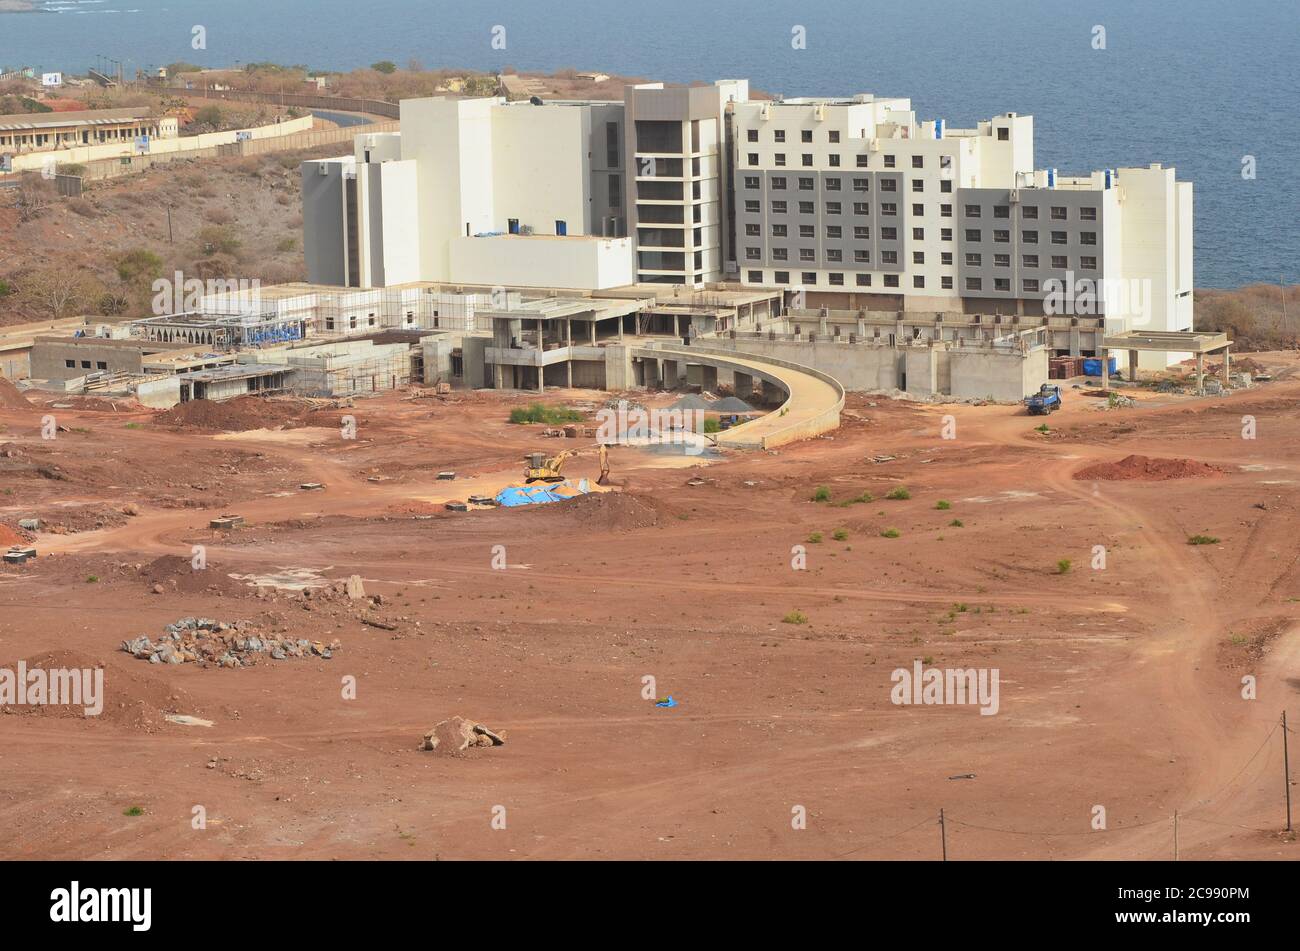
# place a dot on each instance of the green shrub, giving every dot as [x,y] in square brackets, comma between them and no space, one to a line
[823,494]
[539,413]
[899,493]
[795,617]
[139,264]
[890,533]
[712,426]
[943,505]
[957,523]
[840,534]
[815,538]
[1063,566]
[1202,540]
[133,811]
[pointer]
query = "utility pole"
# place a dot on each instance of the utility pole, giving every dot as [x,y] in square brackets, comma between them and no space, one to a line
[169,224]
[943,835]
[1286,771]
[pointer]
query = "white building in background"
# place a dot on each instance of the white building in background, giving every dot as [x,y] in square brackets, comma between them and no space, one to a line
[852,202]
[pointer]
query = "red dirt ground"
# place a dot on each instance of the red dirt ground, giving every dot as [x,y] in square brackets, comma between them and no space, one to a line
[1120,685]
[1147,469]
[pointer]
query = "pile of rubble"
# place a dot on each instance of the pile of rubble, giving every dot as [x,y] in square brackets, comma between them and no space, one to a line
[204,641]
[456,734]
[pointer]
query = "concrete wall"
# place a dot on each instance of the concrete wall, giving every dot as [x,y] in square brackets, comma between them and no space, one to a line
[49,360]
[542,261]
[324,241]
[473,351]
[161,393]
[1007,377]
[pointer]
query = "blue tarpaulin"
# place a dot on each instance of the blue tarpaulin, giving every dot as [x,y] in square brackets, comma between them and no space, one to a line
[540,493]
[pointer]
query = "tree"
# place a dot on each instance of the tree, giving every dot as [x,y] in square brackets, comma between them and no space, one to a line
[208,115]
[57,291]
[139,265]
[384,66]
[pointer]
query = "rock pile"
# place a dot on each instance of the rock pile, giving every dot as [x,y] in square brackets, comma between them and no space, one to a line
[205,641]
[456,734]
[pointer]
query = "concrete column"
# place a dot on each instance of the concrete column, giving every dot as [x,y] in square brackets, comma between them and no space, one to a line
[568,332]
[1227,365]
[743,384]
[1105,366]
[772,393]
[568,373]
[541,379]
[709,377]
[1132,365]
[620,327]
[591,325]
[1074,341]
[1200,374]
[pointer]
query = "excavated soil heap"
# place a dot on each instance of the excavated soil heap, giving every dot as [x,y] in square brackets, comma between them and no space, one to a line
[1147,469]
[238,415]
[11,398]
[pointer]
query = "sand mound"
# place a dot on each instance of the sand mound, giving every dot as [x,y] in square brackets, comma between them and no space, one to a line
[238,415]
[138,701]
[609,511]
[692,401]
[177,574]
[10,536]
[1147,469]
[11,398]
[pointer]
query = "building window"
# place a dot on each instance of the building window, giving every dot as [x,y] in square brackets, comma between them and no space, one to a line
[918,234]
[860,208]
[779,159]
[889,209]
[918,184]
[807,159]
[834,231]
[836,279]
[918,257]
[972,211]
[889,184]
[945,257]
[807,231]
[974,235]
[918,211]
[756,277]
[973,259]
[615,191]
[752,158]
[1001,211]
[945,282]
[1029,212]
[918,280]
[918,161]
[1030,260]
[1001,237]
[1058,213]
[861,232]
[889,161]
[1060,262]
[70,364]
[945,234]
[861,257]
[888,234]
[781,277]
[1030,284]
[835,136]
[778,183]
[1002,284]
[754,254]
[835,160]
[807,208]
[751,181]
[862,161]
[1029,237]
[780,254]
[945,186]
[809,277]
[807,254]
[752,230]
[779,231]
[864,280]
[832,208]
[834,256]
[888,257]
[832,184]
[1058,237]
[778,208]
[751,135]
[85,364]
[891,280]
[1088,263]
[861,184]
[1087,237]
[778,135]
[974,284]
[1002,260]
[1004,134]
[805,135]
[1088,214]
[945,211]
[752,207]
[806,183]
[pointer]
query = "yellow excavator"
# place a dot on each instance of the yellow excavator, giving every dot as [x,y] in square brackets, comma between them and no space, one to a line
[538,467]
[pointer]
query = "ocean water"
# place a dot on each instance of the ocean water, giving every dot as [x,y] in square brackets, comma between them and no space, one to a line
[1197,84]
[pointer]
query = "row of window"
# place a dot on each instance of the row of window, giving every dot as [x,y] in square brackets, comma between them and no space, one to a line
[835,256]
[808,183]
[1030,212]
[836,279]
[1029,285]
[85,364]
[833,136]
[780,206]
[975,235]
[1060,262]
